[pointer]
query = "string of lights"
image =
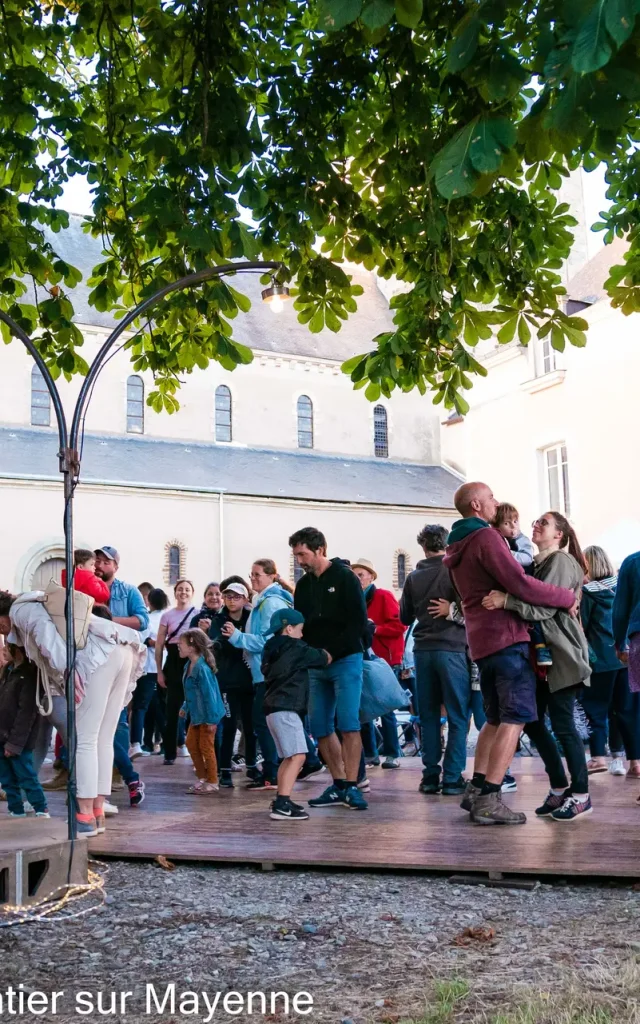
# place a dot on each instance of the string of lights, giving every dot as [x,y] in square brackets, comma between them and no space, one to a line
[54,908]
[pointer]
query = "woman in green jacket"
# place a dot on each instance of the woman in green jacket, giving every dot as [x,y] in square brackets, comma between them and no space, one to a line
[559,561]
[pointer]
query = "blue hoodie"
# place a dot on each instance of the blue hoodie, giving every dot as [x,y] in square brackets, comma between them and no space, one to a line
[257,630]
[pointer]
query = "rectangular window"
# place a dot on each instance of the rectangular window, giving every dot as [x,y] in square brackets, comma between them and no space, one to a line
[548,357]
[557,474]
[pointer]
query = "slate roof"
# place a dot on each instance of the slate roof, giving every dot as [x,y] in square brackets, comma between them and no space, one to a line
[242,471]
[588,284]
[259,328]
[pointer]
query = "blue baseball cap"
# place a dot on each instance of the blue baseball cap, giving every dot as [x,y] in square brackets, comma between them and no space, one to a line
[109,552]
[285,617]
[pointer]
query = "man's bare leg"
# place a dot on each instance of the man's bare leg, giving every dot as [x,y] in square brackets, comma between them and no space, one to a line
[332,755]
[351,751]
[486,739]
[502,752]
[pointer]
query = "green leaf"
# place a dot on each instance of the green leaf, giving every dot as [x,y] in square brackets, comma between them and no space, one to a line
[592,47]
[337,14]
[524,331]
[620,16]
[317,321]
[491,138]
[508,330]
[463,47]
[452,166]
[377,13]
[373,392]
[409,12]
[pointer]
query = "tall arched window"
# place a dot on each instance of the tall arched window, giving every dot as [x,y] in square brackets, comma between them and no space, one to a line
[40,400]
[380,432]
[305,422]
[297,572]
[135,405]
[223,413]
[402,570]
[174,564]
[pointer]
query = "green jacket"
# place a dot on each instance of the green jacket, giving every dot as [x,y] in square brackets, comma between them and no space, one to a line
[563,634]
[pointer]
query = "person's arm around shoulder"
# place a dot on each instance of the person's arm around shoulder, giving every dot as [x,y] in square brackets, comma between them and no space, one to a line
[497,559]
[558,571]
[314,658]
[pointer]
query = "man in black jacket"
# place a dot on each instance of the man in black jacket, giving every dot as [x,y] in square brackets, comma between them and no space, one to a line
[330,598]
[442,667]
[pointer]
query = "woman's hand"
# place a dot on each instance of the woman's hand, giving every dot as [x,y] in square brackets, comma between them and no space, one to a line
[623,656]
[161,680]
[228,629]
[495,600]
[204,625]
[439,608]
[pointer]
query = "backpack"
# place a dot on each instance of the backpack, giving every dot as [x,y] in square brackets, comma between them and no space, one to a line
[54,602]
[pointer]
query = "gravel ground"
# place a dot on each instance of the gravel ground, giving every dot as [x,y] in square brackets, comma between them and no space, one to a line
[367,947]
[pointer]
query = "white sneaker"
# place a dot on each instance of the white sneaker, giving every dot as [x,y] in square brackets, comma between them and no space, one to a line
[109,809]
[28,809]
[135,750]
[617,767]
[183,752]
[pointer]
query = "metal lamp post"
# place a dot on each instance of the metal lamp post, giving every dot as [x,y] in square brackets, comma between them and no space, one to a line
[69,461]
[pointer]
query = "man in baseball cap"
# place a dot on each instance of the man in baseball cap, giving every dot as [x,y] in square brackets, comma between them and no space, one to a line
[109,553]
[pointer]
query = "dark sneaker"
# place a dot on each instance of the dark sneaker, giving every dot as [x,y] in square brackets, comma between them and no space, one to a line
[353,799]
[572,808]
[238,763]
[252,773]
[509,784]
[552,803]
[488,809]
[261,783]
[309,771]
[87,828]
[430,784]
[544,658]
[287,810]
[470,794]
[391,762]
[226,782]
[456,788]
[167,760]
[136,792]
[332,797]
[372,762]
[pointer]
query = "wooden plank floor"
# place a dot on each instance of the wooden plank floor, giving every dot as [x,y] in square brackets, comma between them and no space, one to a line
[401,830]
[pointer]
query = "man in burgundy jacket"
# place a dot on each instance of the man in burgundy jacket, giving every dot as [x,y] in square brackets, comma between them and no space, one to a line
[479,560]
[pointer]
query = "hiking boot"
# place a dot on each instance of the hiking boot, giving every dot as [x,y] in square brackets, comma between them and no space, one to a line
[353,799]
[488,809]
[471,794]
[573,808]
[552,803]
[430,784]
[456,788]
[59,781]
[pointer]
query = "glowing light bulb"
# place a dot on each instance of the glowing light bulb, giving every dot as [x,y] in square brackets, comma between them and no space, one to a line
[276,304]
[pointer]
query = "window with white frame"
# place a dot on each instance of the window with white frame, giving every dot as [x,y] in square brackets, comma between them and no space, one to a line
[380,433]
[135,405]
[546,357]
[305,422]
[40,400]
[556,465]
[223,413]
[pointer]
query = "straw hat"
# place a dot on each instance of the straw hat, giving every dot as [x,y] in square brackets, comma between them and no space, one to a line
[364,563]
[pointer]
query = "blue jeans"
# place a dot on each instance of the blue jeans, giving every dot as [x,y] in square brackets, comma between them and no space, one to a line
[17,773]
[142,696]
[390,741]
[121,757]
[265,739]
[442,677]
[334,696]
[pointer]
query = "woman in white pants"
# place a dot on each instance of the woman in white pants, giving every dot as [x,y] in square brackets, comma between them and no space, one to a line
[106,672]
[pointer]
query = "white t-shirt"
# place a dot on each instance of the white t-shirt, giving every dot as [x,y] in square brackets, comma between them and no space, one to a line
[151,633]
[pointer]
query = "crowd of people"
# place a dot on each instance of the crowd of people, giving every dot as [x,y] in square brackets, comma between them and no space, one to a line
[267,680]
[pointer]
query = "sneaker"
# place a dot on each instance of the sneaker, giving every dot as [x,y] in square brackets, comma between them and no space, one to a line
[284,808]
[372,762]
[391,762]
[596,767]
[226,782]
[135,751]
[261,783]
[3,795]
[58,765]
[331,797]
[117,782]
[543,656]
[17,814]
[572,808]
[552,803]
[430,784]
[87,828]
[253,773]
[471,794]
[237,763]
[353,799]
[42,814]
[29,808]
[364,785]
[167,760]
[109,809]
[136,793]
[183,752]
[59,781]
[456,788]
[309,771]
[488,809]
[617,767]
[101,825]
[509,784]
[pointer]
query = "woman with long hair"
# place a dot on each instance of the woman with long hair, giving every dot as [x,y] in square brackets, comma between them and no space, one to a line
[559,561]
[172,625]
[608,703]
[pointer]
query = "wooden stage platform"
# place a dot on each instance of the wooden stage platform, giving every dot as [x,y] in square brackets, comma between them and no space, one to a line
[402,830]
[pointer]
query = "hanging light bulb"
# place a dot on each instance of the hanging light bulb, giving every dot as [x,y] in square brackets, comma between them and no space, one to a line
[275,296]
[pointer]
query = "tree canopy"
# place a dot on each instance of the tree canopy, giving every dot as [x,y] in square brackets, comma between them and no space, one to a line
[425,141]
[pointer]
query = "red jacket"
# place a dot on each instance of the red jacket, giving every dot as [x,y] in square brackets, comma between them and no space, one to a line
[88,583]
[480,562]
[388,640]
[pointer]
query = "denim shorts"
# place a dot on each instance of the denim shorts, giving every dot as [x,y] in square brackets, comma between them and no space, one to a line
[334,696]
[288,733]
[508,685]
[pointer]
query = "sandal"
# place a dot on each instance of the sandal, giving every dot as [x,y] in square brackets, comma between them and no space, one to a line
[207,789]
[195,789]
[595,767]
[634,772]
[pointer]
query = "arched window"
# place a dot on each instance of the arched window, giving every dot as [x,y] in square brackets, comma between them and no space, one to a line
[40,400]
[223,413]
[297,572]
[380,432]
[305,422]
[135,405]
[174,562]
[402,570]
